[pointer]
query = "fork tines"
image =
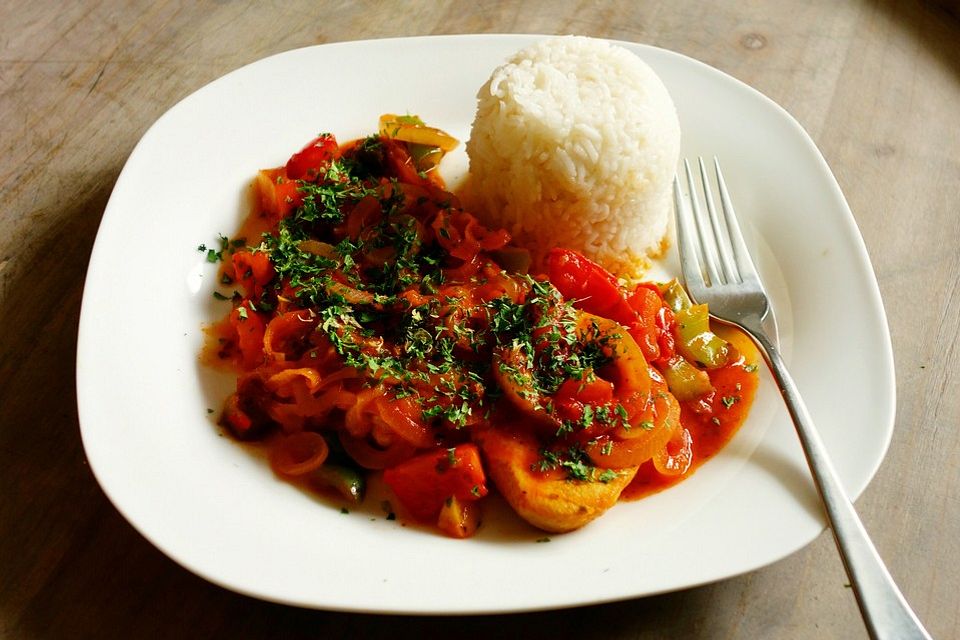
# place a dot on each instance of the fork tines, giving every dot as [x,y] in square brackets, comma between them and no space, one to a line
[716,264]
[719,252]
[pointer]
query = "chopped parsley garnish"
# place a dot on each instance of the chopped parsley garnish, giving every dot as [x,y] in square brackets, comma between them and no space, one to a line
[324,199]
[607,475]
[587,416]
[575,461]
[216,255]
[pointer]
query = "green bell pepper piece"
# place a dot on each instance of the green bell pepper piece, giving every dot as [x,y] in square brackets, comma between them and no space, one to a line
[695,341]
[346,481]
[675,296]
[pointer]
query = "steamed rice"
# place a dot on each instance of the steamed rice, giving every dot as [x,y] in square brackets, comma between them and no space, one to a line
[574,145]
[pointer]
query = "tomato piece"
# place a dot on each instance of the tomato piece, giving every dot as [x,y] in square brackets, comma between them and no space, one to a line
[569,409]
[307,163]
[646,301]
[288,198]
[464,237]
[464,271]
[593,288]
[243,412]
[279,196]
[250,328]
[424,482]
[253,271]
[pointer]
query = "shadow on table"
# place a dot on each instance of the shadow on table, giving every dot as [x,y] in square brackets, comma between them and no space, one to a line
[50,503]
[934,23]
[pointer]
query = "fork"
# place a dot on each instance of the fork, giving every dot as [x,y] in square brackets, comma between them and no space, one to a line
[719,271]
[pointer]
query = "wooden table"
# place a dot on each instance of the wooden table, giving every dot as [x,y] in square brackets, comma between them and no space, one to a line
[877,85]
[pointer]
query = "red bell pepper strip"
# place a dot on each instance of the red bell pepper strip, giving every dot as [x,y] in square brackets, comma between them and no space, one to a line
[308,163]
[646,301]
[592,288]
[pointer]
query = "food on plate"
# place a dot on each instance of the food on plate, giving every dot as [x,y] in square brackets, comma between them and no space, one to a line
[377,326]
[574,145]
[551,502]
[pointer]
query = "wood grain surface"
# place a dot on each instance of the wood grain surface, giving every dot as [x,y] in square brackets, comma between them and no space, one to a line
[877,85]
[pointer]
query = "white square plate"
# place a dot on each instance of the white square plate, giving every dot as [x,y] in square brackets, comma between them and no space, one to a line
[220,512]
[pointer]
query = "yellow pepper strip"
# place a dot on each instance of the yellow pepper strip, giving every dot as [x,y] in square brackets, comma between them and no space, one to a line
[411,129]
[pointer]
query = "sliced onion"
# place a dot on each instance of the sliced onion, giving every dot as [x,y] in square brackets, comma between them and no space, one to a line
[678,463]
[402,416]
[643,444]
[298,453]
[318,248]
[371,457]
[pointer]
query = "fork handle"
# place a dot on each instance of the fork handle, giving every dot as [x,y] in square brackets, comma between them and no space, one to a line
[884,609]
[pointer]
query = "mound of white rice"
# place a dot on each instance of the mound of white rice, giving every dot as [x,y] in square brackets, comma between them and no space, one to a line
[574,145]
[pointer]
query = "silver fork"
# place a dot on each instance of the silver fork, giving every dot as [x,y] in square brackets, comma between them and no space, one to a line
[718,271]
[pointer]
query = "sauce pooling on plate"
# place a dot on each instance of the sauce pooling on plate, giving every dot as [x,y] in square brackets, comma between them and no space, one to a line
[378,327]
